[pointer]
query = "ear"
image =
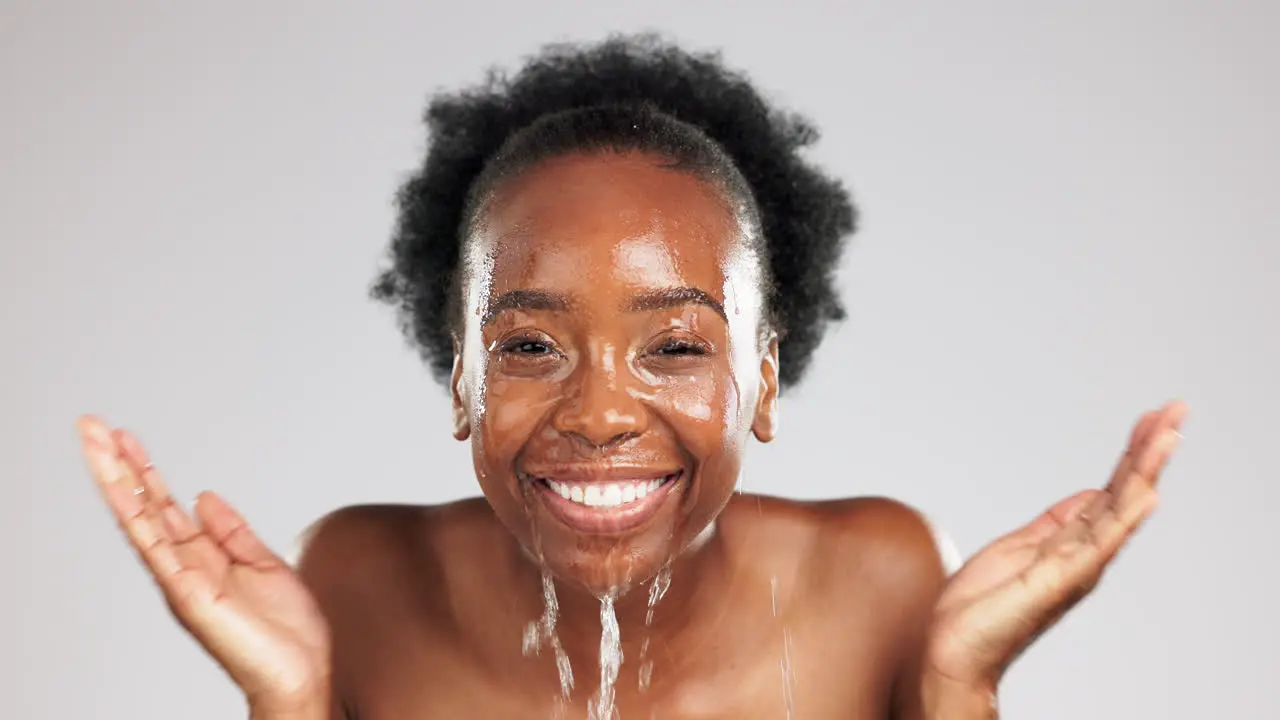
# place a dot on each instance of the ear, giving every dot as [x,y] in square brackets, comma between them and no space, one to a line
[461,413]
[765,424]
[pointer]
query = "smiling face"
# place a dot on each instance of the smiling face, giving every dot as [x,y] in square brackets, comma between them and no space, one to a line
[612,363]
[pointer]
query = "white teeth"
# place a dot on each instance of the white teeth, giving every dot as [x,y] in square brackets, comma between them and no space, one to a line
[604,495]
[612,496]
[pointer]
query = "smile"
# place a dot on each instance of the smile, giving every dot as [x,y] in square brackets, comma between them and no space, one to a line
[606,495]
[607,501]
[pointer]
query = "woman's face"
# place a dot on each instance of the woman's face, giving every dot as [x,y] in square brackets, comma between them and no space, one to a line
[612,363]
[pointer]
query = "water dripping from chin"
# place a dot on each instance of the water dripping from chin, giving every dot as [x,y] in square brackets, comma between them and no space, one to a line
[541,633]
[657,589]
[602,707]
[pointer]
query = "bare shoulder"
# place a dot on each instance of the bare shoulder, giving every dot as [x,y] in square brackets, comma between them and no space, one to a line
[885,529]
[869,569]
[867,543]
[360,548]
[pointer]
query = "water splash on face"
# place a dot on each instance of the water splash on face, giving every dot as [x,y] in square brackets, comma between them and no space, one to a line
[745,304]
[602,707]
[657,588]
[474,357]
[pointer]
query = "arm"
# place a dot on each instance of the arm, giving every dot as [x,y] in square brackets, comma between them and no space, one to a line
[922,558]
[321,707]
[908,560]
[324,556]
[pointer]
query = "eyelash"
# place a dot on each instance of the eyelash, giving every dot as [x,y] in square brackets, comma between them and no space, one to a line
[519,346]
[671,347]
[677,347]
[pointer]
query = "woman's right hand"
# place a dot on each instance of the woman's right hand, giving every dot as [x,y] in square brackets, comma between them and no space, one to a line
[244,604]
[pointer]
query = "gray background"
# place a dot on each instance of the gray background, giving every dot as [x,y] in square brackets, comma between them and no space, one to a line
[1069,216]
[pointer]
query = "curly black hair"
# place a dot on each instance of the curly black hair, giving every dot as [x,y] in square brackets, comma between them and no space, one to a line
[628,92]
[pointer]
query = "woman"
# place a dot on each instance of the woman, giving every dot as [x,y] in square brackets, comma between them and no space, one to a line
[616,260]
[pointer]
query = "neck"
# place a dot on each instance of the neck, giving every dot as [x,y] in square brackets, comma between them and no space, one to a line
[664,617]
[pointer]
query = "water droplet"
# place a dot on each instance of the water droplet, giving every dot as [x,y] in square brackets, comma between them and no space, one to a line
[646,675]
[657,589]
[542,632]
[788,677]
[773,595]
[602,707]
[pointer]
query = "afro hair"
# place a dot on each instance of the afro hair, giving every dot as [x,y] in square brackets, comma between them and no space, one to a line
[804,216]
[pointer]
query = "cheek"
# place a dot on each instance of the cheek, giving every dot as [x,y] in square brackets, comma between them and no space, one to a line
[701,409]
[703,412]
[513,412]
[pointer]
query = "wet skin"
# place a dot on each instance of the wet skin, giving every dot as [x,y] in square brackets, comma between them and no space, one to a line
[613,336]
[611,369]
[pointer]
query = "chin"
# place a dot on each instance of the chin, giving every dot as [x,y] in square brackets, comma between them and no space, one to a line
[607,574]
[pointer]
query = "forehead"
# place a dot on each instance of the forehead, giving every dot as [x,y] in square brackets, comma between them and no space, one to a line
[585,223]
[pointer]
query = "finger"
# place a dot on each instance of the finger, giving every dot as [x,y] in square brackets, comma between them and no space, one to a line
[1165,438]
[1142,429]
[1150,465]
[1137,441]
[124,494]
[1050,521]
[180,524]
[1177,412]
[1071,561]
[1150,428]
[195,548]
[232,533]
[1110,516]
[1142,473]
[1115,515]
[1099,521]
[1024,545]
[1124,504]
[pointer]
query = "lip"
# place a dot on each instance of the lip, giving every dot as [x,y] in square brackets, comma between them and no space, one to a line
[603,520]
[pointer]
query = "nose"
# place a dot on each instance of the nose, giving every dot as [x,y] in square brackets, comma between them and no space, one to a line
[597,410]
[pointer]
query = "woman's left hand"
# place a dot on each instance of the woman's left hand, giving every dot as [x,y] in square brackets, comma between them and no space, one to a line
[1023,583]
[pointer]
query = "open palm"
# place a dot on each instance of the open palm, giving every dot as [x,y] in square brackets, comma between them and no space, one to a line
[244,604]
[1023,583]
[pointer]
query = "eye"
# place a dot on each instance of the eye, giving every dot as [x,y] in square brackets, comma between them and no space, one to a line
[526,346]
[677,347]
[529,354]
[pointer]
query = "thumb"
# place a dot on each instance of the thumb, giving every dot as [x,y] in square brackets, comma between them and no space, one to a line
[232,533]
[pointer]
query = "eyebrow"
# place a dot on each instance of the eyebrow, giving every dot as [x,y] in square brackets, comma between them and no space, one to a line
[674,297]
[525,300]
[646,301]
